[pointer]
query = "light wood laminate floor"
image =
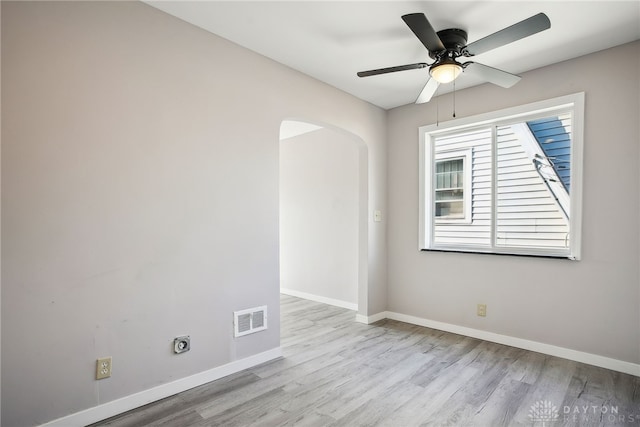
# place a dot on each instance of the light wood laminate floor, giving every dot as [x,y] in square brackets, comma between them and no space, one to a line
[336,372]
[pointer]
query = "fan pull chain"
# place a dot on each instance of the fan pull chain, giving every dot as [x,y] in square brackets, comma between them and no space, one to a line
[454,98]
[437,107]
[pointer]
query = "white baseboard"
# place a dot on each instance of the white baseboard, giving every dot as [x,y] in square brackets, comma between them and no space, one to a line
[317,298]
[552,350]
[371,319]
[115,407]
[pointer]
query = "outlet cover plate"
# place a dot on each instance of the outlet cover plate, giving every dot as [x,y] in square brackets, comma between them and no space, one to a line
[182,344]
[103,368]
[482,310]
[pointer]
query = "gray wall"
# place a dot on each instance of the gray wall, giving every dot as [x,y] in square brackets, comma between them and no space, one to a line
[140,199]
[319,205]
[592,305]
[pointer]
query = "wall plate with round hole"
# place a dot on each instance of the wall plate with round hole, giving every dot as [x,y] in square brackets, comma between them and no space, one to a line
[182,344]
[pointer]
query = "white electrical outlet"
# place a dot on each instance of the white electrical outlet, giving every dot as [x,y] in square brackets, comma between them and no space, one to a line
[103,368]
[482,310]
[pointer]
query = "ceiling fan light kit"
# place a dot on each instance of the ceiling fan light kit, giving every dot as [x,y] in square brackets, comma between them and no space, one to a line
[445,71]
[446,46]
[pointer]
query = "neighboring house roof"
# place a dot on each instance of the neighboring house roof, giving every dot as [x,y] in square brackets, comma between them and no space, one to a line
[554,137]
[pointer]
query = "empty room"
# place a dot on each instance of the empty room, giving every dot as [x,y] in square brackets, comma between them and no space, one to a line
[320,213]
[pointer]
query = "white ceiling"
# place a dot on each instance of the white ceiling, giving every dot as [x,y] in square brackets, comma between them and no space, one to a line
[332,40]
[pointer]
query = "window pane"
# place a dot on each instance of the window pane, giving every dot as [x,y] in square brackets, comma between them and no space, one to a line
[467,220]
[449,195]
[532,188]
[450,174]
[449,209]
[449,186]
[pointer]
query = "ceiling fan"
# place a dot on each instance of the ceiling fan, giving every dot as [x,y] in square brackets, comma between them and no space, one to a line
[446,46]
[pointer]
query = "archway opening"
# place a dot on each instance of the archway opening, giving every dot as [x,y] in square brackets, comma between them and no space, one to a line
[323,220]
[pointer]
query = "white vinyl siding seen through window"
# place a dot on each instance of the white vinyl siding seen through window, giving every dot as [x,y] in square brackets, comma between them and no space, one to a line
[507,182]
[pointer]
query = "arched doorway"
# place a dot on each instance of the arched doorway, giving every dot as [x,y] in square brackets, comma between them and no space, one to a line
[323,220]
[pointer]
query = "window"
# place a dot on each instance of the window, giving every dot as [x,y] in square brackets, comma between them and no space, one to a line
[452,184]
[450,189]
[507,182]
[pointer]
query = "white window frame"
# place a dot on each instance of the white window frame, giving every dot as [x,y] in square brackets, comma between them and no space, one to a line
[573,102]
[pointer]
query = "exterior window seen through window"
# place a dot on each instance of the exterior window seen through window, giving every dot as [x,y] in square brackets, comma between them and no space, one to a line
[449,189]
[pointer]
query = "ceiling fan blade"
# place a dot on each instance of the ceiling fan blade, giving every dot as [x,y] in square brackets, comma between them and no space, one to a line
[493,75]
[520,30]
[423,30]
[392,69]
[428,91]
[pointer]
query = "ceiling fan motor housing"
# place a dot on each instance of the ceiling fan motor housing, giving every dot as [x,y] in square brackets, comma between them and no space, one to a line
[453,39]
